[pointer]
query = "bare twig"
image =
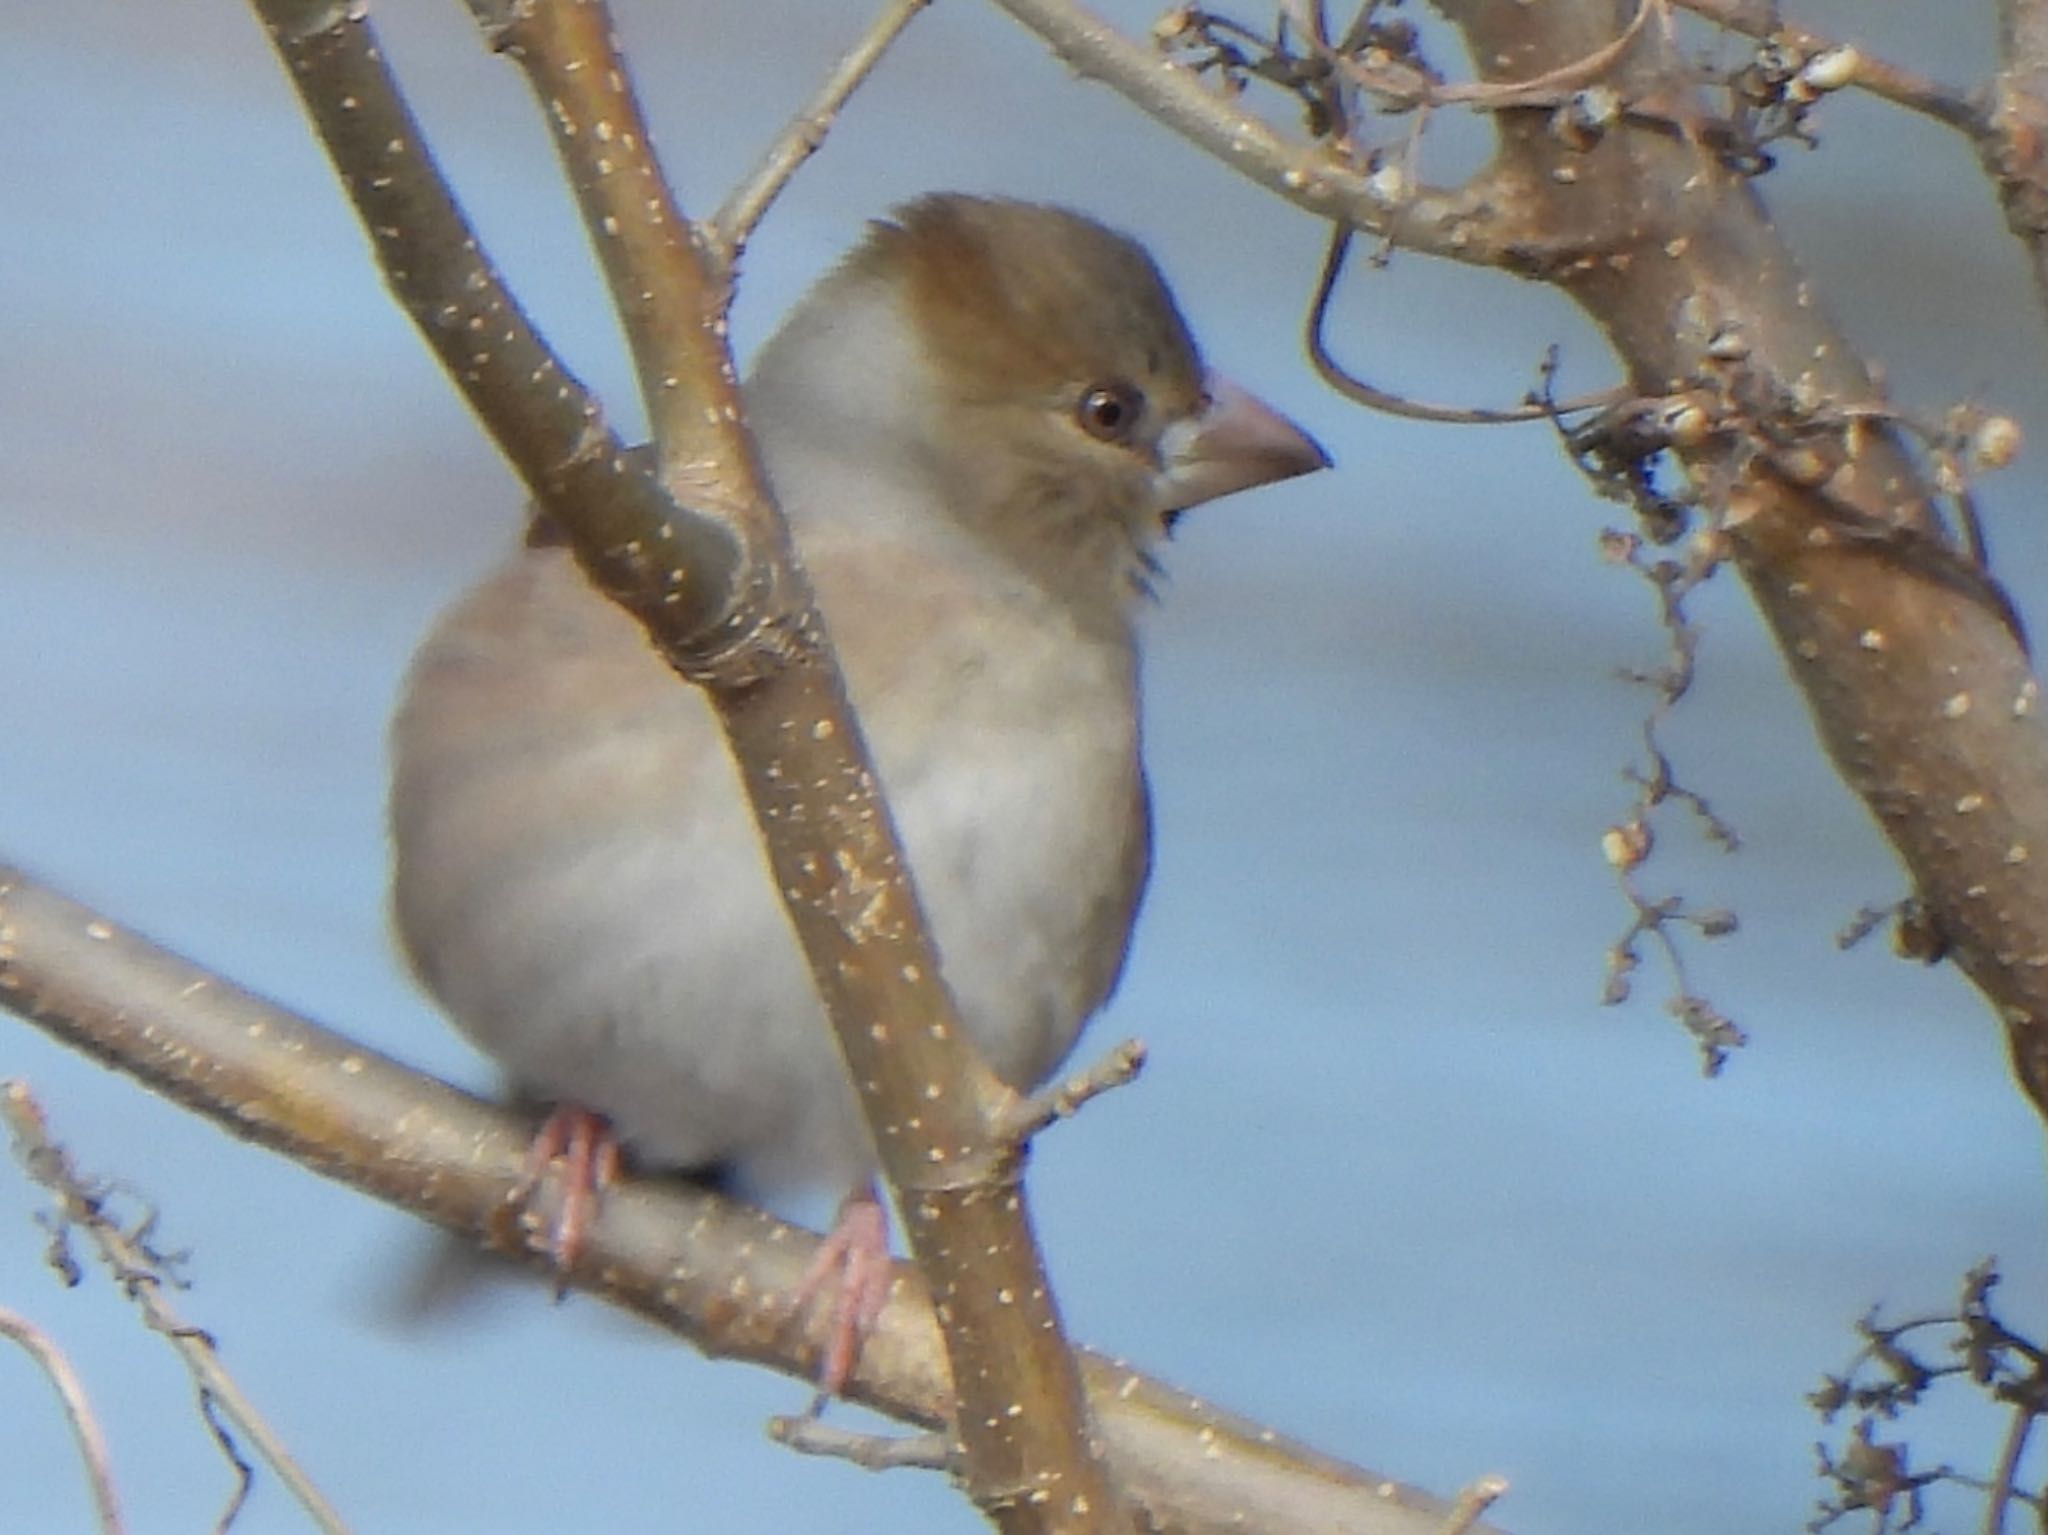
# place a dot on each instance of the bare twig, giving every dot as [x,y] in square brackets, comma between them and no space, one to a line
[140,1272]
[1023,1118]
[1547,87]
[1902,87]
[1473,1500]
[729,229]
[2005,1479]
[807,1435]
[1895,1369]
[1356,389]
[85,1423]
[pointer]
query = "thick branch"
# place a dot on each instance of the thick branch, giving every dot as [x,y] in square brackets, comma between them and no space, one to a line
[932,1104]
[933,1107]
[546,424]
[1917,679]
[708,1270]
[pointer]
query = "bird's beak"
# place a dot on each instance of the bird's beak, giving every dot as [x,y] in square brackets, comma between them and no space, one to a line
[1238,441]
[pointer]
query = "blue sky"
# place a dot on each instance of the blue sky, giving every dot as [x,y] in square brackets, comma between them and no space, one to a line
[1393,1180]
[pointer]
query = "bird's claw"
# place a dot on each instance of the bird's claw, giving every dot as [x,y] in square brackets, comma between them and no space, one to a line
[848,1282]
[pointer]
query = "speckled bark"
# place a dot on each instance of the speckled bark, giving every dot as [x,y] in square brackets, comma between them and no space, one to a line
[703,561]
[1919,687]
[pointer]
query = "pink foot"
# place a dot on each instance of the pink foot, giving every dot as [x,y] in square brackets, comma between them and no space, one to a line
[589,1156]
[849,1281]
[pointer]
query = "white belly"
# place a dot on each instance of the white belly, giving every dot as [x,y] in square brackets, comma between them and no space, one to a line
[579,883]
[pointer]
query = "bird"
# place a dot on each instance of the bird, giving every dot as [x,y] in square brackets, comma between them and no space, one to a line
[981,424]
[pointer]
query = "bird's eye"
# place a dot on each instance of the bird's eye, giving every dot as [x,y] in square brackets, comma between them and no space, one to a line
[1110,412]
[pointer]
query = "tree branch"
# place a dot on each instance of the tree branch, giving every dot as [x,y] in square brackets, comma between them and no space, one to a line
[1911,664]
[933,1106]
[1485,222]
[710,1271]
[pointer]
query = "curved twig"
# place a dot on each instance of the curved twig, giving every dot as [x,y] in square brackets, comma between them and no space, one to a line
[1356,389]
[78,1411]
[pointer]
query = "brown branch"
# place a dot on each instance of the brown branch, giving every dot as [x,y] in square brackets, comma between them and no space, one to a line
[710,1271]
[543,420]
[933,1106]
[139,1272]
[78,1410]
[651,257]
[1916,679]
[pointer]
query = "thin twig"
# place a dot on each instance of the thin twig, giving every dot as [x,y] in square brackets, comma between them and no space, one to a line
[2000,1496]
[807,1435]
[139,1270]
[1356,389]
[729,229]
[1539,90]
[1902,87]
[1025,1117]
[85,1423]
[1475,1499]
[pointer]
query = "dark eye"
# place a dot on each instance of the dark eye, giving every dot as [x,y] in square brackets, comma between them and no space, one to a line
[1110,411]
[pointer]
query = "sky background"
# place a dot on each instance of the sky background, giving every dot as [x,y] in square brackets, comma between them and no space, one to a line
[1393,1181]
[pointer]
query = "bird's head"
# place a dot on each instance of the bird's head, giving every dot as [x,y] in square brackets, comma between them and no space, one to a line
[1035,363]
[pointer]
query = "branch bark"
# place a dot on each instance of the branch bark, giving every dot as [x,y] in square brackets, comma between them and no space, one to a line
[934,1108]
[2014,147]
[710,1271]
[1917,679]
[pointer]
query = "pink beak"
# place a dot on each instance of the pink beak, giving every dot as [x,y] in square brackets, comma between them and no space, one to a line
[1236,443]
